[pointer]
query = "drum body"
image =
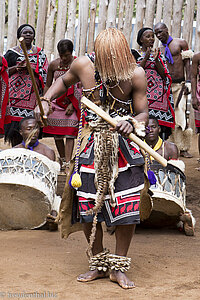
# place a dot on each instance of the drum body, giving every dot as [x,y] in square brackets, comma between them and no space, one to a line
[28,182]
[168,195]
[169,192]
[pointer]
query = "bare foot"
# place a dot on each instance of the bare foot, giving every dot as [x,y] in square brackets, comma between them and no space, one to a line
[185,154]
[121,279]
[92,275]
[53,226]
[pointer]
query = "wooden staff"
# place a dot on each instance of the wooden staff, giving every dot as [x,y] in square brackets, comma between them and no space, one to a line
[35,88]
[132,136]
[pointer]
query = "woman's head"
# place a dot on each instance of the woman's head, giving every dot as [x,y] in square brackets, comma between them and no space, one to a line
[65,49]
[27,31]
[145,37]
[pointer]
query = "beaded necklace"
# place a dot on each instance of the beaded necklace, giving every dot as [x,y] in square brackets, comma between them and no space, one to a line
[99,85]
[29,51]
[64,68]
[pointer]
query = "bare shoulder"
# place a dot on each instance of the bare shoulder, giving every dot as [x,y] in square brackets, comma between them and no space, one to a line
[80,63]
[183,44]
[139,76]
[47,151]
[54,64]
[171,149]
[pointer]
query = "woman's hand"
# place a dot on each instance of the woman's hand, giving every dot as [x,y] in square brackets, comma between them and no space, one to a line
[21,65]
[148,52]
[156,53]
[123,127]
[69,110]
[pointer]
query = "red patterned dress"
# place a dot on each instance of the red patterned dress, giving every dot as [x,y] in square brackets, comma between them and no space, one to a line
[61,124]
[4,94]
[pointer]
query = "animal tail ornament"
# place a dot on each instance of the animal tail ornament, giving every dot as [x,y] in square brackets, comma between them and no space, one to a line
[75,179]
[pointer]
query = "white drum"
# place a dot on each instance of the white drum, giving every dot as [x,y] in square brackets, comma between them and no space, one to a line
[169,192]
[28,182]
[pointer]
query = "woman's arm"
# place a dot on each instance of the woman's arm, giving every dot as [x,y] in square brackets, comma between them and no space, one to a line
[159,65]
[146,57]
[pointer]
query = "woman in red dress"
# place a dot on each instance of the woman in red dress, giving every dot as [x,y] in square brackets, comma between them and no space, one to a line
[63,121]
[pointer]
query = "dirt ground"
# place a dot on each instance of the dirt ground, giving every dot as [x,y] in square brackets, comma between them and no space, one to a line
[165,263]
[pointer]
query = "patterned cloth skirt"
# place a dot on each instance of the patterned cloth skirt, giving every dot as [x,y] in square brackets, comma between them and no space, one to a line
[129,183]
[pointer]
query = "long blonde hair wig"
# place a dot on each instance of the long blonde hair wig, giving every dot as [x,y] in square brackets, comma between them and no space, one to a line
[113,58]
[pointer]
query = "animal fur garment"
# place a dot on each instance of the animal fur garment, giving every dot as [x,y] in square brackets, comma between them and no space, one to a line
[187,54]
[181,138]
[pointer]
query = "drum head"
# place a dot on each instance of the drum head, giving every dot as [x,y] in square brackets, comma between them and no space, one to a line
[22,207]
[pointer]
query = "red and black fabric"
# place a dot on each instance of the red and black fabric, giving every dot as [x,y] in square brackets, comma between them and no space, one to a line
[22,97]
[159,94]
[4,95]
[129,183]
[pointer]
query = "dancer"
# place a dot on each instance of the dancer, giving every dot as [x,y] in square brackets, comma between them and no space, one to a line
[111,166]
[178,60]
[159,95]
[63,122]
[21,94]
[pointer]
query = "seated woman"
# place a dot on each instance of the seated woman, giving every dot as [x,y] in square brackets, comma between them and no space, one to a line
[159,95]
[22,97]
[63,121]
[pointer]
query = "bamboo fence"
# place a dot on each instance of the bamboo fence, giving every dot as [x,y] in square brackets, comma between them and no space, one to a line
[82,20]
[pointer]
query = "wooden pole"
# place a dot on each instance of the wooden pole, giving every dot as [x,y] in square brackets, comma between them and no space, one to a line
[71,22]
[2,25]
[140,10]
[93,8]
[30,70]
[23,12]
[12,23]
[49,34]
[197,34]
[41,22]
[132,136]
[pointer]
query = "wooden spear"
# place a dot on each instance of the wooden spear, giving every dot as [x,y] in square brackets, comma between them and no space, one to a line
[132,136]
[35,88]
